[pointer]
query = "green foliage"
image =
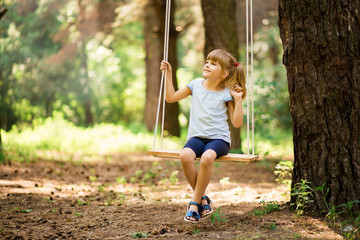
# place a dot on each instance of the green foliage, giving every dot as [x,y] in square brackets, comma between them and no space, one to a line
[270,90]
[272,226]
[2,155]
[218,217]
[324,192]
[67,140]
[284,172]
[82,203]
[78,214]
[303,196]
[139,235]
[173,177]
[267,208]
[121,180]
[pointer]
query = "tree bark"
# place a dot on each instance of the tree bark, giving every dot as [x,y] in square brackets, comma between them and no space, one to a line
[154,24]
[84,81]
[322,57]
[221,33]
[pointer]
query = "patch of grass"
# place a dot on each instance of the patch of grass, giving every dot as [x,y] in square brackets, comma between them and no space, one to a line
[303,195]
[82,203]
[217,217]
[93,178]
[121,180]
[78,214]
[267,208]
[26,210]
[67,140]
[272,226]
[139,235]
[283,172]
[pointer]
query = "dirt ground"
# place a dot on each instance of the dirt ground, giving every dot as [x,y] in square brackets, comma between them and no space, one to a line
[91,200]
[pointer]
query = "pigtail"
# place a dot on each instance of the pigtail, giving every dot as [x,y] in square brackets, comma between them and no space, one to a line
[240,78]
[237,77]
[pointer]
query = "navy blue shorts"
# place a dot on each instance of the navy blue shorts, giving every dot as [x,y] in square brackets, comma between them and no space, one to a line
[200,145]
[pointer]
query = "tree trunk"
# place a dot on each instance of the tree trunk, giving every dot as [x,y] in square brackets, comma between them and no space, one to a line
[322,58]
[154,41]
[221,32]
[84,71]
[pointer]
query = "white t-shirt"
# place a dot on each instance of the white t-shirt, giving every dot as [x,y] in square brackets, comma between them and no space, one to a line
[208,118]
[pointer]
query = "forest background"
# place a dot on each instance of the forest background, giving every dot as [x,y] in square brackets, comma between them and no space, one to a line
[73,79]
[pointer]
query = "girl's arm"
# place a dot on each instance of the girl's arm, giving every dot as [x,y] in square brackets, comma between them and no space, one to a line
[171,95]
[235,107]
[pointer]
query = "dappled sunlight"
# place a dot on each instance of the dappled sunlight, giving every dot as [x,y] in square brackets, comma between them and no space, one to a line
[128,193]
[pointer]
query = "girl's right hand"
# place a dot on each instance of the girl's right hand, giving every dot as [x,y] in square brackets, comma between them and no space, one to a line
[165,66]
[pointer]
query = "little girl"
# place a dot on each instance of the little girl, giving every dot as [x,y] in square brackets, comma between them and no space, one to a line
[222,89]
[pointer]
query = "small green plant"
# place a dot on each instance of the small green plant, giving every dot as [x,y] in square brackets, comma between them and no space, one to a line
[173,177]
[81,203]
[272,226]
[53,210]
[324,192]
[121,198]
[121,180]
[2,155]
[101,188]
[297,236]
[136,178]
[78,214]
[93,178]
[26,210]
[284,172]
[15,209]
[196,231]
[139,235]
[349,208]
[217,217]
[267,208]
[303,196]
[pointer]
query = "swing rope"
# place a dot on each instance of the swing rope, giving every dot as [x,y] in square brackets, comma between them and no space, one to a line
[163,76]
[249,76]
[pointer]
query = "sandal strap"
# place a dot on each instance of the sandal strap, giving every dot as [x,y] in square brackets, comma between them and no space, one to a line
[206,207]
[195,203]
[193,214]
[207,199]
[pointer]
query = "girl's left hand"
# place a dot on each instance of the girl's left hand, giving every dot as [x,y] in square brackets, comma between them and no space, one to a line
[237,92]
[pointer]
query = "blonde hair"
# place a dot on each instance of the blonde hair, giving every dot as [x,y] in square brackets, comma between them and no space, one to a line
[236,71]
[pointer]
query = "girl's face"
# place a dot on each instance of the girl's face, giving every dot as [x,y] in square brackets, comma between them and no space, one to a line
[213,70]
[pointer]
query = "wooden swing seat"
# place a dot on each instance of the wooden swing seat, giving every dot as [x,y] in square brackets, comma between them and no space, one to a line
[230,157]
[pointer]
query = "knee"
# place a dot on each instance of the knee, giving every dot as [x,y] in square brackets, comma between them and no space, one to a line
[187,156]
[207,159]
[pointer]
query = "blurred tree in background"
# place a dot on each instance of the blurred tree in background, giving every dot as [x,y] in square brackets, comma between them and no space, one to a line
[154,24]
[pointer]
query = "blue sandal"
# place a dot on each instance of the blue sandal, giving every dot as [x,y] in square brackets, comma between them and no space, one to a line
[205,207]
[192,213]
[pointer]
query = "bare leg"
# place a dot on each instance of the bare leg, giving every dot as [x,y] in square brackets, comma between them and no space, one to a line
[204,176]
[187,157]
